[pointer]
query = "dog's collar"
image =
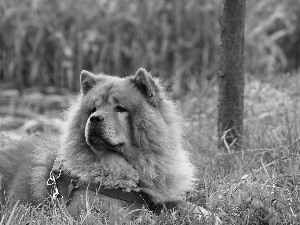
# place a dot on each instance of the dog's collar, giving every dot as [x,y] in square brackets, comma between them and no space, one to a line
[64,185]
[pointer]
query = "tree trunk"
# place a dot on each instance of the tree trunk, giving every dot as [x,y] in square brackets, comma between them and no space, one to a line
[231,75]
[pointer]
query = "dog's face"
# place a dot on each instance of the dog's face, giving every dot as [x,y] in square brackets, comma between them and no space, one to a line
[107,127]
[117,110]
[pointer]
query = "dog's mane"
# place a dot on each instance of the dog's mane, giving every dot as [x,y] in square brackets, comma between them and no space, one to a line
[173,171]
[162,170]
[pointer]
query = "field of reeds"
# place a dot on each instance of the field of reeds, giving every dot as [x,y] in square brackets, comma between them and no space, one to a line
[45,44]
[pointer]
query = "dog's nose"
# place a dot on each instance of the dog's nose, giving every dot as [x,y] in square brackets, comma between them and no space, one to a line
[96,119]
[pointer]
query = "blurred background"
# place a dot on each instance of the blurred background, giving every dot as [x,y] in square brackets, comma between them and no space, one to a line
[47,43]
[44,45]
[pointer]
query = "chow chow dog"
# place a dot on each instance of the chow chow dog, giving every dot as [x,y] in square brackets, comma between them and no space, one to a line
[121,140]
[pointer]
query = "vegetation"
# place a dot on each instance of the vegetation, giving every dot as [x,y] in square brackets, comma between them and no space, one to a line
[45,44]
[265,175]
[20,214]
[54,40]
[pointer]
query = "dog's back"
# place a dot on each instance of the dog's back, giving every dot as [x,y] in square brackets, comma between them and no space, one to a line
[19,165]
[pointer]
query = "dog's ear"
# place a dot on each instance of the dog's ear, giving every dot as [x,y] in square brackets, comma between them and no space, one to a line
[146,84]
[87,81]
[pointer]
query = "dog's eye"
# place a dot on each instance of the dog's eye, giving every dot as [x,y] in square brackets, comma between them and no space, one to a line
[120,109]
[93,110]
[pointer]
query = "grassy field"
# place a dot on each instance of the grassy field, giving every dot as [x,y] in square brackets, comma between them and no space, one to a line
[259,185]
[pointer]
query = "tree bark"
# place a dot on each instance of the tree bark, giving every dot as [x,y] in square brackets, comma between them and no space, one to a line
[231,75]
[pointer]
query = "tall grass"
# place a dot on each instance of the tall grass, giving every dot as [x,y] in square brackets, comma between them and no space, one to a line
[48,43]
[270,24]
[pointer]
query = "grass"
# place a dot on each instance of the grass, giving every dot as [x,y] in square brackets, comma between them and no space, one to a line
[57,214]
[48,43]
[261,183]
[265,175]
[54,40]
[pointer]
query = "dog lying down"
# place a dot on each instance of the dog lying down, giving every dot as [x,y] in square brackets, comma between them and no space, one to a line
[121,140]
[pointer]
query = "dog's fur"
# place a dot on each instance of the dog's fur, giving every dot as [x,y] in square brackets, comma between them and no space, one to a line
[120,133]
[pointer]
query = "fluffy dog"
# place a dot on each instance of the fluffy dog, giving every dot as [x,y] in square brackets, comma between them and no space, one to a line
[121,140]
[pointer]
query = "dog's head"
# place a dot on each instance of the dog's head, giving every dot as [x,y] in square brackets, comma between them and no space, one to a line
[130,121]
[124,114]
